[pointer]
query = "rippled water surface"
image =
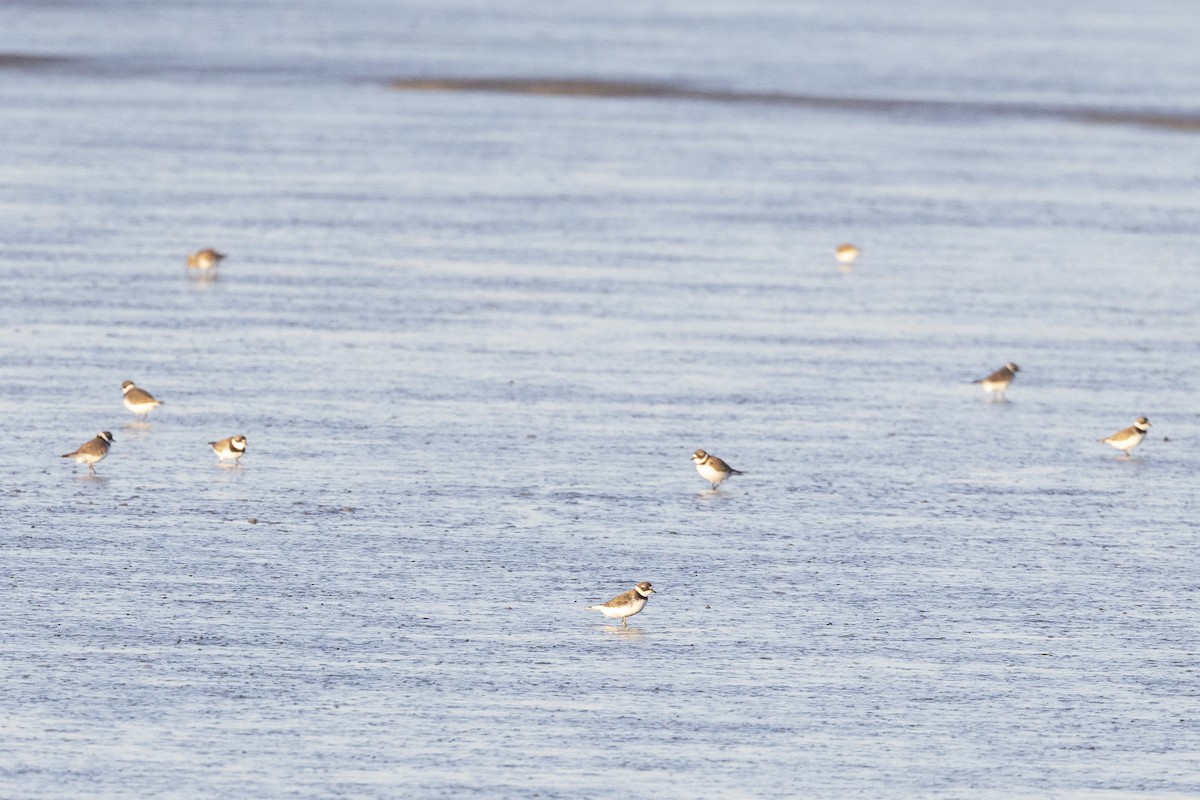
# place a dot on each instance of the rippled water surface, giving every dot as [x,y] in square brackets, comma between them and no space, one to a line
[494,272]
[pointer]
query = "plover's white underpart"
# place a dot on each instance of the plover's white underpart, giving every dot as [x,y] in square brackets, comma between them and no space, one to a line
[846,255]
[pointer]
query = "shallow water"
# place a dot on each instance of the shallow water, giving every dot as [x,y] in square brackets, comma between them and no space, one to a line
[474,337]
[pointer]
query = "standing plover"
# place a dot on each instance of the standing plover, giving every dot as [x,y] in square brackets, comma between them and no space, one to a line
[205,259]
[232,448]
[846,255]
[713,469]
[1130,437]
[92,452]
[996,383]
[626,604]
[139,401]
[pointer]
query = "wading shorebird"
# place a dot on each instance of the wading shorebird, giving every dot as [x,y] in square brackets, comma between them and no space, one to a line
[626,604]
[92,452]
[205,259]
[139,401]
[230,449]
[1128,438]
[997,383]
[713,469]
[846,255]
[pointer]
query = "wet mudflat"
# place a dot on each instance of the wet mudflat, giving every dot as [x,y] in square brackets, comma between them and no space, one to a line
[473,338]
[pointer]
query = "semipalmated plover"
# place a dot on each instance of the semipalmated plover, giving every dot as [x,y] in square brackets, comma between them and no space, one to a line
[232,448]
[996,383]
[846,255]
[139,401]
[713,469]
[92,452]
[205,259]
[1130,437]
[626,604]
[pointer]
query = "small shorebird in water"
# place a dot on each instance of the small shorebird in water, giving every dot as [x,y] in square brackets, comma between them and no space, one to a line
[139,401]
[996,383]
[626,604]
[230,449]
[846,255]
[1128,438]
[205,259]
[713,469]
[92,452]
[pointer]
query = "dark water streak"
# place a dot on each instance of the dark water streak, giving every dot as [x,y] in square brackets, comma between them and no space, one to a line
[598,88]
[874,105]
[25,61]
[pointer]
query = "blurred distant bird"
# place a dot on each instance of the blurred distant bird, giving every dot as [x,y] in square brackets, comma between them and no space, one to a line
[232,448]
[626,604]
[996,383]
[204,260]
[139,401]
[92,452]
[713,469]
[846,255]
[1130,437]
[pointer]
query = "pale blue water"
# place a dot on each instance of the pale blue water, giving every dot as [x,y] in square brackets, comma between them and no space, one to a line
[473,339]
